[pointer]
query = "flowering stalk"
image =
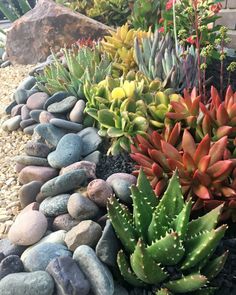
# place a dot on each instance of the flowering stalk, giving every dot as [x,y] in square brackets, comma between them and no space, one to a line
[174,24]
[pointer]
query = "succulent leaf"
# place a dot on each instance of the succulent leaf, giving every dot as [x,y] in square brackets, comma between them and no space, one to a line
[214,266]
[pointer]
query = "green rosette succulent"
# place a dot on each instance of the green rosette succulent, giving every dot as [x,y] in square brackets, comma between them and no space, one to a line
[163,251]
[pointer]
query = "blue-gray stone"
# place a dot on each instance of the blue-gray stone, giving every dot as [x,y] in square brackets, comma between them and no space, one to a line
[21,95]
[31,161]
[68,277]
[39,256]
[58,96]
[12,123]
[54,206]
[23,283]
[64,183]
[108,245]
[66,124]
[34,114]
[26,123]
[8,248]
[30,129]
[27,83]
[37,149]
[10,107]
[98,274]
[50,133]
[10,264]
[62,106]
[68,151]
[91,140]
[5,64]
[94,157]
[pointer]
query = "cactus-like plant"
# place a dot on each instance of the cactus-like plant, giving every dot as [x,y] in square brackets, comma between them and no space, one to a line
[157,58]
[163,250]
[13,12]
[204,171]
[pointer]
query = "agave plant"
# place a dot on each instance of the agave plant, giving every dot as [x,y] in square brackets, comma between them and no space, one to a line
[157,58]
[163,249]
[204,172]
[14,11]
[80,65]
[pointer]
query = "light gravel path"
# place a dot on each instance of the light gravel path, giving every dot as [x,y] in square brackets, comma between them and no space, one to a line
[11,144]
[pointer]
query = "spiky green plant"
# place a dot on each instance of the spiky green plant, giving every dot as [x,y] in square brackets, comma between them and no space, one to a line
[13,11]
[158,237]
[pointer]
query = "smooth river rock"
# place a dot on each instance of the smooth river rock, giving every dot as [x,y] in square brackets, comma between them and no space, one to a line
[56,97]
[50,133]
[63,106]
[65,124]
[37,173]
[64,222]
[10,264]
[54,206]
[37,149]
[91,140]
[99,191]
[76,114]
[31,161]
[37,100]
[89,167]
[28,192]
[9,248]
[12,123]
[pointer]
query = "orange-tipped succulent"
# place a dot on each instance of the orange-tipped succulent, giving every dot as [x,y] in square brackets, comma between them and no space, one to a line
[204,170]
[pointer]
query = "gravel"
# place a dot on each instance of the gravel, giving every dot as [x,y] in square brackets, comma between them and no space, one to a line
[11,145]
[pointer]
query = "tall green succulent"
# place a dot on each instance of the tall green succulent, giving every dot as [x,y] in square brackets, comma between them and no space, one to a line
[157,58]
[13,11]
[85,64]
[163,249]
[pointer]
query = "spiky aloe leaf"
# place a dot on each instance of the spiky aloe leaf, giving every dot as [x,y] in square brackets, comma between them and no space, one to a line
[202,246]
[206,222]
[126,271]
[163,292]
[159,224]
[145,188]
[168,250]
[142,212]
[145,267]
[24,6]
[214,266]
[123,227]
[9,13]
[186,284]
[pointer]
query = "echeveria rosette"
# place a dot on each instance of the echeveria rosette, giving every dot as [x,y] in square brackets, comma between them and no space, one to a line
[158,236]
[204,171]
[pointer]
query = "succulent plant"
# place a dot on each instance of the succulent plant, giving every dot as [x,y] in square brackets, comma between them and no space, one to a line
[163,249]
[204,172]
[14,11]
[157,58]
[76,67]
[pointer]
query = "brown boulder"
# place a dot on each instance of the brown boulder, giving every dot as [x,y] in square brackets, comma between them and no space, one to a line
[48,25]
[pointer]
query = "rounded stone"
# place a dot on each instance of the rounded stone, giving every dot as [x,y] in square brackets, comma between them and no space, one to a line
[25,112]
[71,126]
[30,129]
[64,222]
[31,161]
[81,208]
[10,107]
[19,167]
[54,206]
[9,248]
[16,110]
[99,191]
[37,173]
[39,256]
[27,122]
[63,106]
[28,192]
[45,117]
[37,100]
[10,264]
[28,228]
[76,114]
[51,134]
[87,232]
[35,283]
[12,124]
[63,183]
[56,97]
[99,276]
[37,149]
[67,152]
[27,83]
[34,114]
[94,157]
[88,167]
[91,140]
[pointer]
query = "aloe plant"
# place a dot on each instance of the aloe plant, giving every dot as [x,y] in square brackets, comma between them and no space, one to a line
[158,237]
[14,11]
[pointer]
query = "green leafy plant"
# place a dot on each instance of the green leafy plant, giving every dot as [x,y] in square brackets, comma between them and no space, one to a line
[163,250]
[13,11]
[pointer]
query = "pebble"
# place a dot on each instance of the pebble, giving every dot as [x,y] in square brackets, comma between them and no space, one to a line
[50,133]
[21,95]
[31,173]
[6,64]
[26,123]
[45,117]
[98,275]
[27,83]
[31,161]
[54,206]
[10,264]
[94,157]
[30,129]
[28,228]
[81,208]
[108,246]
[63,106]
[68,277]
[76,114]
[88,167]
[37,100]
[91,140]
[40,255]
[87,232]
[16,110]
[64,222]
[67,152]
[35,283]
[25,112]
[99,191]
[10,107]
[63,183]
[12,124]
[56,97]
[37,149]
[9,248]
[19,167]
[28,193]
[34,114]
[66,124]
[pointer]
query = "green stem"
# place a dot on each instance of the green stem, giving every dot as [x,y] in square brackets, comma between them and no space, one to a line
[175,30]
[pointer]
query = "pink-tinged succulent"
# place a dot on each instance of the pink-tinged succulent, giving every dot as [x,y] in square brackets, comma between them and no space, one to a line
[204,168]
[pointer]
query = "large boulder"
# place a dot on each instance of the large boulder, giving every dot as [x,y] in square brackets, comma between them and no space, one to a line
[48,25]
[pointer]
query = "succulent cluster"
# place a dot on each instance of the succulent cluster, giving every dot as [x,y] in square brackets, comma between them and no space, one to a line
[163,249]
[13,11]
[158,58]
